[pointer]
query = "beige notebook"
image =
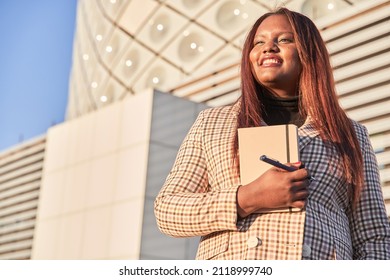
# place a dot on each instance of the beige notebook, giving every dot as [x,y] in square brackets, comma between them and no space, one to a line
[279,142]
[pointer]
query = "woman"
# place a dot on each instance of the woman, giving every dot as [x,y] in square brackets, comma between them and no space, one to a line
[286,78]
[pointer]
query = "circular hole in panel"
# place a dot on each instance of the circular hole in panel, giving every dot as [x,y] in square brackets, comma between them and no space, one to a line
[110,93]
[230,14]
[114,43]
[100,31]
[190,47]
[94,84]
[131,62]
[317,9]
[159,27]
[104,98]
[156,77]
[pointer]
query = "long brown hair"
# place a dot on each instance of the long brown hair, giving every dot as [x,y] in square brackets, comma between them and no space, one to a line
[318,95]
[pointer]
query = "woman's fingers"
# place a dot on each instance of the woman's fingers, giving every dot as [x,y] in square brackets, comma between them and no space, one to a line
[299,204]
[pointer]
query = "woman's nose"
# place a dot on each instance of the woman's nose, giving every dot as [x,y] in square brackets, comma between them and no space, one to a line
[270,46]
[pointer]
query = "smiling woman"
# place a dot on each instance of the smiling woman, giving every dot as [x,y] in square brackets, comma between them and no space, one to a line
[286,78]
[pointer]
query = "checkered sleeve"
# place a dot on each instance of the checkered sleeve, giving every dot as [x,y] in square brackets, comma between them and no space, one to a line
[370,230]
[187,205]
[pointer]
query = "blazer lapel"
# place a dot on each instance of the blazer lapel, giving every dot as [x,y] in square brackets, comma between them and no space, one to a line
[307,132]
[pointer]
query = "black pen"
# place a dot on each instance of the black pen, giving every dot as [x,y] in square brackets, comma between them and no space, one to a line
[281,165]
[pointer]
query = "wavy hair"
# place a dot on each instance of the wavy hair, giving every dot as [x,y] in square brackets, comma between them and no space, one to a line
[318,95]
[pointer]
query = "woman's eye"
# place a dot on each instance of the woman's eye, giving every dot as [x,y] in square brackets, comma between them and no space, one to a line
[259,43]
[285,40]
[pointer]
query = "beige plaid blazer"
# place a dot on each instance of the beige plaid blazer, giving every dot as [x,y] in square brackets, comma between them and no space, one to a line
[199,199]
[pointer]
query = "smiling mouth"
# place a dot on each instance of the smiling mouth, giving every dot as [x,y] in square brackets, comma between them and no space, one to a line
[270,62]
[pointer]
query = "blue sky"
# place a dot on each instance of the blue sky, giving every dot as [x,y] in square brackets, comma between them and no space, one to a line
[35,63]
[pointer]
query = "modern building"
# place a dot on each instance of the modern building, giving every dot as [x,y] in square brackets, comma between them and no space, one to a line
[142,70]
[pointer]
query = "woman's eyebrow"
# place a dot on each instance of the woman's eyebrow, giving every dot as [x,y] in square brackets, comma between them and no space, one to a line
[277,34]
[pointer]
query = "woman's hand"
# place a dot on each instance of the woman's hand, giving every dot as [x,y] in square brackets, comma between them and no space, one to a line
[274,189]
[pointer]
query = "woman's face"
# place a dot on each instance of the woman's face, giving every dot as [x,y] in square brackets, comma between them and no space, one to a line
[274,57]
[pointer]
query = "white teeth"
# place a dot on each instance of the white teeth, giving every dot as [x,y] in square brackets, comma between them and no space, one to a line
[270,61]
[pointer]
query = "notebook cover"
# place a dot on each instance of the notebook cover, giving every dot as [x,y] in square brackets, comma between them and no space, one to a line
[279,142]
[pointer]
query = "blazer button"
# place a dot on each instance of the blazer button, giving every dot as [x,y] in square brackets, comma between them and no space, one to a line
[306,250]
[253,242]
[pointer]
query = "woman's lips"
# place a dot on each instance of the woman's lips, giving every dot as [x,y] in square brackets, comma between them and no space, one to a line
[270,61]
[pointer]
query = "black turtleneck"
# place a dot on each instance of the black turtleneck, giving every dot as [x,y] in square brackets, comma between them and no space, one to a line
[277,110]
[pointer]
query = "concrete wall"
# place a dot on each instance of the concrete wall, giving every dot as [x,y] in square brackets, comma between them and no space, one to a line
[101,174]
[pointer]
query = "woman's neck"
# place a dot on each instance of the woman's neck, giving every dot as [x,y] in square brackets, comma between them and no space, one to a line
[282,92]
[281,110]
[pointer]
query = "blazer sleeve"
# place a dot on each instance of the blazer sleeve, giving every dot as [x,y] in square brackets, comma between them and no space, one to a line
[187,205]
[370,228]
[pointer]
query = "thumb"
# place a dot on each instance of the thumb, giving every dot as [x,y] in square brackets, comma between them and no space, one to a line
[297,164]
